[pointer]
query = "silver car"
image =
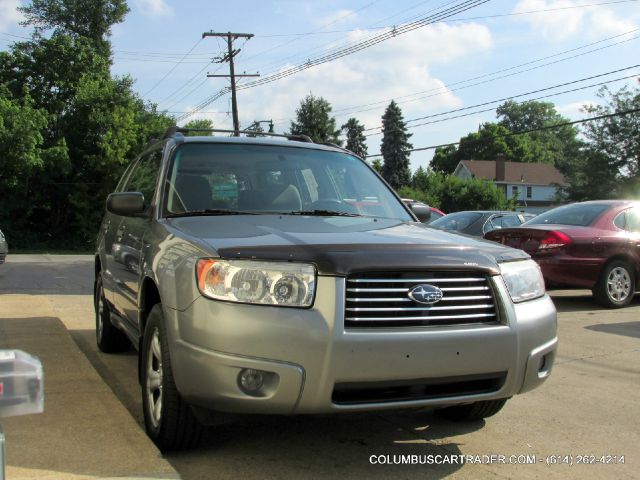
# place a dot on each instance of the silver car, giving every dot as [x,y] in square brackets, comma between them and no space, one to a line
[280,276]
[4,248]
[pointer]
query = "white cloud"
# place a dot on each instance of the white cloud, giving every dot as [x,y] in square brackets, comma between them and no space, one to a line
[336,18]
[574,110]
[9,14]
[392,69]
[560,24]
[154,8]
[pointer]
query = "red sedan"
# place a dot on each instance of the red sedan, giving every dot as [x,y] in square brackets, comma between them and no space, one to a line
[593,245]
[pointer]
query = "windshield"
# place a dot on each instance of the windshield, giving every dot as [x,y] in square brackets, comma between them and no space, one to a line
[456,221]
[576,214]
[214,177]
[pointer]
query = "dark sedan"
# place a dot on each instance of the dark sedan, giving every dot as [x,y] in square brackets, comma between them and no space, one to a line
[594,245]
[478,222]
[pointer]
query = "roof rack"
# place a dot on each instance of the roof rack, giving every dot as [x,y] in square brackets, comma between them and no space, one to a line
[171,132]
[335,145]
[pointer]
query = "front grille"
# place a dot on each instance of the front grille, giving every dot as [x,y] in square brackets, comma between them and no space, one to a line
[381,300]
[418,389]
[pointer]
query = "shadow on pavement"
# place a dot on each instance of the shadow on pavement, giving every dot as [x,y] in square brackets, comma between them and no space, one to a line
[582,301]
[317,446]
[628,329]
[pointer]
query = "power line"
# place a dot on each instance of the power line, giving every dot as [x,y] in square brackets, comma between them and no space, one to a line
[447,88]
[172,69]
[367,43]
[465,19]
[522,95]
[519,103]
[522,132]
[461,7]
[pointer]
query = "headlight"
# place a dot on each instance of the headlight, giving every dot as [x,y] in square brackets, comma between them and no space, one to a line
[264,283]
[523,279]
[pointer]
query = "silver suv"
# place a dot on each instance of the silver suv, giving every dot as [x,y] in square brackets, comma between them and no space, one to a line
[280,276]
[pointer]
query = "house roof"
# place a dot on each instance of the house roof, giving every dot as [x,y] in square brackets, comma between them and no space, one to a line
[516,172]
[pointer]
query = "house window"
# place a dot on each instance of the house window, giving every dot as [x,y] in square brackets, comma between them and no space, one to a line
[529,191]
[514,191]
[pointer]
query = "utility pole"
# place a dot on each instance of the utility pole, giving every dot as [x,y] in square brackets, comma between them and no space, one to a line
[229,58]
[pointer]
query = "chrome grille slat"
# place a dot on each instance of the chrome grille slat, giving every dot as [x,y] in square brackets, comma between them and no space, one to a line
[400,299]
[416,280]
[438,317]
[420,309]
[373,301]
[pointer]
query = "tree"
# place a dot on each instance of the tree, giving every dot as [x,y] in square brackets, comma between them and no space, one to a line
[356,141]
[616,137]
[68,127]
[394,148]
[452,194]
[199,124]
[313,119]
[91,19]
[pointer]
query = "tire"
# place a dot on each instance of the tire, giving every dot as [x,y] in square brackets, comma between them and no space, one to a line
[616,285]
[473,411]
[109,338]
[168,419]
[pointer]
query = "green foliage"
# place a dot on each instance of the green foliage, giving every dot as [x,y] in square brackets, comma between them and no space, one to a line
[356,141]
[452,194]
[617,137]
[67,127]
[200,124]
[91,19]
[394,148]
[377,165]
[313,119]
[558,146]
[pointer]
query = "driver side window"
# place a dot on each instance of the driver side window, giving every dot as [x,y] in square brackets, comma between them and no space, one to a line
[144,175]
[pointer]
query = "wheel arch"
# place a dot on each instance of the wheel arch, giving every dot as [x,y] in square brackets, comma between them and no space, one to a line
[626,258]
[149,296]
[97,268]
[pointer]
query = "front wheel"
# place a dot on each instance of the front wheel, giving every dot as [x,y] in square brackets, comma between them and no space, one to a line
[168,419]
[616,285]
[473,411]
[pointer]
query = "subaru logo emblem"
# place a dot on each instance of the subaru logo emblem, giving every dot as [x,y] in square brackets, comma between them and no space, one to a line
[425,293]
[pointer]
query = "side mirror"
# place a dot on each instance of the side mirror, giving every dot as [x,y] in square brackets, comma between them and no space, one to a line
[127,204]
[422,211]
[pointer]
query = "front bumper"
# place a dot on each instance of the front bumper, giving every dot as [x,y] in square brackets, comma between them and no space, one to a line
[310,355]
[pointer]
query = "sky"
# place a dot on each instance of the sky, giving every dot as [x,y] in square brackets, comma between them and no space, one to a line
[432,58]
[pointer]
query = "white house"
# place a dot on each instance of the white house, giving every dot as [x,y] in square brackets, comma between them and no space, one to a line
[533,184]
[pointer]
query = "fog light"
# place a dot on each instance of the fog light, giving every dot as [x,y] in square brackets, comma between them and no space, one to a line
[250,380]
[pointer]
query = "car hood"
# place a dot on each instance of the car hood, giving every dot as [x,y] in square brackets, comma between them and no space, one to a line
[343,245]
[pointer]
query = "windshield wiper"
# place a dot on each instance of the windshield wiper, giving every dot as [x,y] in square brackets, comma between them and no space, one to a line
[323,213]
[209,212]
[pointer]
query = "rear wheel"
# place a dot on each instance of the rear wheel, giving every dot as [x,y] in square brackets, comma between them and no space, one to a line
[109,338]
[473,411]
[616,285]
[169,420]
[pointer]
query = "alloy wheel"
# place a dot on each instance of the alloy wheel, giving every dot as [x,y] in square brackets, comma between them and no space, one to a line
[154,379]
[619,284]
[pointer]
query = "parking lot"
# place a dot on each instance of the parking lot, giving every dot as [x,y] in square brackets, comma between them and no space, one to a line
[588,411]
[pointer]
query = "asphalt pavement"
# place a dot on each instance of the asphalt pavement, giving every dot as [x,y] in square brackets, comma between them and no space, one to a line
[588,412]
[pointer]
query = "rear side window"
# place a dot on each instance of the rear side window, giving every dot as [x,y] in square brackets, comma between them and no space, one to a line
[456,221]
[629,220]
[576,214]
[144,176]
[510,221]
